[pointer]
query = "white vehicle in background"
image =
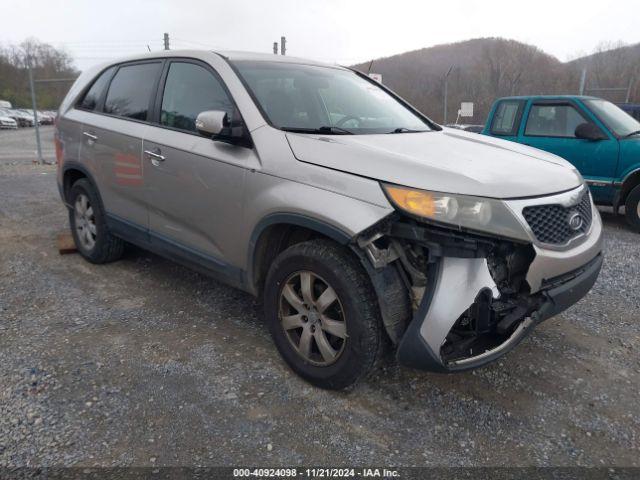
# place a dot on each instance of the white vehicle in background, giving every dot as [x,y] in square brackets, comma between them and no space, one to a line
[29,116]
[24,120]
[5,104]
[5,112]
[45,117]
[21,119]
[7,122]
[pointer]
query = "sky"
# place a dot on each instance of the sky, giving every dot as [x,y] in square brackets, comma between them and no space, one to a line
[335,31]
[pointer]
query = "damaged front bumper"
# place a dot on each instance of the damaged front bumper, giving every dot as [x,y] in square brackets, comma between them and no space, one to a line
[458,281]
[472,297]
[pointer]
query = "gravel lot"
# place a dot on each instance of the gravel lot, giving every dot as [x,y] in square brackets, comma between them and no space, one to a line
[143,362]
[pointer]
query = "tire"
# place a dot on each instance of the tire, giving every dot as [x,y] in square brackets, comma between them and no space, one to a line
[105,247]
[356,317]
[632,208]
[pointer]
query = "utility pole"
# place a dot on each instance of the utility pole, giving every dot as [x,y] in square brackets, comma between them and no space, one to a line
[446,80]
[283,45]
[628,97]
[583,80]
[166,41]
[626,91]
[275,48]
[35,112]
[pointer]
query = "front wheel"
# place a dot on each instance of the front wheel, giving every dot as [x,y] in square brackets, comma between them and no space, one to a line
[632,208]
[323,314]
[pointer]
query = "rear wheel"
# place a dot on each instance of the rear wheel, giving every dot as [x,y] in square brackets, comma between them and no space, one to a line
[632,208]
[323,314]
[88,225]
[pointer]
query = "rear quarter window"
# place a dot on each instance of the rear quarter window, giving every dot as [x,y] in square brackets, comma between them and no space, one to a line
[91,98]
[506,118]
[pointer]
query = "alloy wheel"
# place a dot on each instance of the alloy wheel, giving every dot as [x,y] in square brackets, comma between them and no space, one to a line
[313,318]
[85,222]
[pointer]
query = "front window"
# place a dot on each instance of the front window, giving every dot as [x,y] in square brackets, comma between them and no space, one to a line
[189,90]
[309,98]
[614,117]
[559,120]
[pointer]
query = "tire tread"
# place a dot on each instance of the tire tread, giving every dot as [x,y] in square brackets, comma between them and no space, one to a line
[109,248]
[370,349]
[631,208]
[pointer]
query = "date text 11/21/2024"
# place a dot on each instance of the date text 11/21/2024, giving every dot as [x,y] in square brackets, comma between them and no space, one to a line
[315,473]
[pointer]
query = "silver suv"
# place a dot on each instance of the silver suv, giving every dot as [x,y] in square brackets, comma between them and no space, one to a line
[360,223]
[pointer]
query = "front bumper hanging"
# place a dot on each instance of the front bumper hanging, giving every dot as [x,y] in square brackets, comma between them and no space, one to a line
[461,284]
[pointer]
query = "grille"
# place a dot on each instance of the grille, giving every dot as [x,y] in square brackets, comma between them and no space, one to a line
[550,223]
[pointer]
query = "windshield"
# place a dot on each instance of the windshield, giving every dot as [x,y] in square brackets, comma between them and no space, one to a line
[309,98]
[614,117]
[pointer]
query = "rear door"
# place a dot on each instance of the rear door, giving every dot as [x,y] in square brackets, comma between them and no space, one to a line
[72,139]
[195,186]
[113,140]
[551,125]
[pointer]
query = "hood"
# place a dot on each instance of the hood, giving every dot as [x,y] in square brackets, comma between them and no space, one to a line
[448,161]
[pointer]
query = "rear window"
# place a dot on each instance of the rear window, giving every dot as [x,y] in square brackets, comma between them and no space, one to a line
[506,118]
[93,95]
[130,91]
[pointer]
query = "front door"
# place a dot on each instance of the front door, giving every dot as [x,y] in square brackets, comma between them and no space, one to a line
[195,185]
[551,125]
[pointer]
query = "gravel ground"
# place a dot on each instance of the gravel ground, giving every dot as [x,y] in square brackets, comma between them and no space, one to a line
[19,146]
[145,363]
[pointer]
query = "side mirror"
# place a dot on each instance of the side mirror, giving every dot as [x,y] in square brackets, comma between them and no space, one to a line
[216,125]
[589,131]
[211,122]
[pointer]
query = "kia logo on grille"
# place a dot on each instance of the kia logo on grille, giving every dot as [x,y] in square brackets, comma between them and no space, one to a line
[575,221]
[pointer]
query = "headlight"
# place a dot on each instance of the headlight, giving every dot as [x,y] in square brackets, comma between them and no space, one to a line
[463,211]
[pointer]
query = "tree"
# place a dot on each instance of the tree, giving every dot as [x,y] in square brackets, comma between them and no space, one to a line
[489,68]
[46,61]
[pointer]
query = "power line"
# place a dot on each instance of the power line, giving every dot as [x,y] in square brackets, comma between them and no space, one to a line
[199,44]
[104,42]
[95,58]
[110,47]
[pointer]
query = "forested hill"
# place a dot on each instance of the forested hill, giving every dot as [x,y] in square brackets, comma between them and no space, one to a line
[487,68]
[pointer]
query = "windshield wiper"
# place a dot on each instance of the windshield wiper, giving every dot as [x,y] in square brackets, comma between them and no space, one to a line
[637,132]
[323,129]
[405,130]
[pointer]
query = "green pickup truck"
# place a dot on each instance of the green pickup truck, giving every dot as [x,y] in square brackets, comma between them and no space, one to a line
[596,136]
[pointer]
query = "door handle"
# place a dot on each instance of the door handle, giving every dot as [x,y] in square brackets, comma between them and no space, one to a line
[90,136]
[155,156]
